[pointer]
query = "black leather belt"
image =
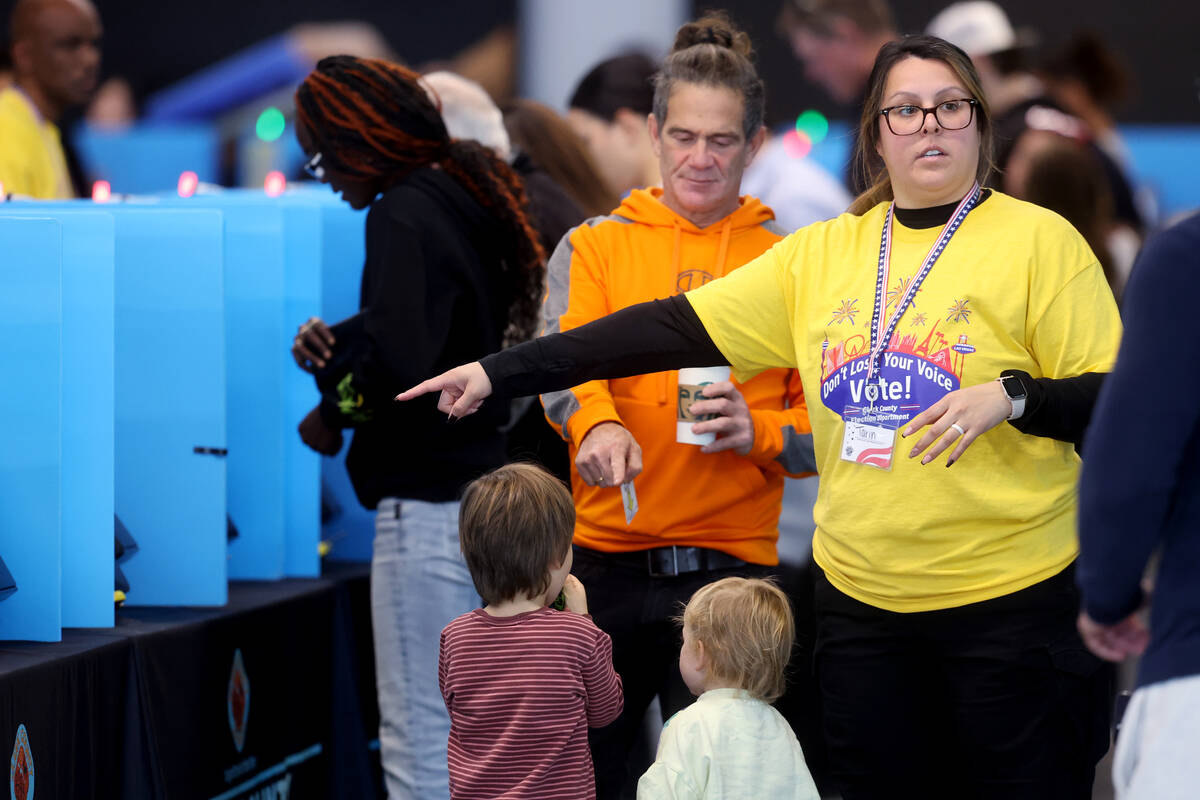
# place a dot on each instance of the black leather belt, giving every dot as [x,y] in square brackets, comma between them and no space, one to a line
[673,560]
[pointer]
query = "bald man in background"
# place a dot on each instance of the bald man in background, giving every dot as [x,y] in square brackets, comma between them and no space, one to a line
[55,52]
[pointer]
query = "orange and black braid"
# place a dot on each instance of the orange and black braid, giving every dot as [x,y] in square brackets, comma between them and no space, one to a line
[500,191]
[371,120]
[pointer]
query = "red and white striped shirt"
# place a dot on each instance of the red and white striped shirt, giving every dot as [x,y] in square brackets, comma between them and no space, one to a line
[522,692]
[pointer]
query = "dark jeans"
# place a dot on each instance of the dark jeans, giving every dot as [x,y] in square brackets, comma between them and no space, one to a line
[998,699]
[638,612]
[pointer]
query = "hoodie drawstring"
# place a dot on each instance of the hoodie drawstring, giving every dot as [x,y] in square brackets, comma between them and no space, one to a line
[723,249]
[664,383]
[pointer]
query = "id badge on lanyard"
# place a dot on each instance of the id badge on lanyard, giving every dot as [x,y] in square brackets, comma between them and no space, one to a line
[869,435]
[869,438]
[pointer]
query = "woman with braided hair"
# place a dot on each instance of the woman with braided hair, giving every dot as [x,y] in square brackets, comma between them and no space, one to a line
[453,271]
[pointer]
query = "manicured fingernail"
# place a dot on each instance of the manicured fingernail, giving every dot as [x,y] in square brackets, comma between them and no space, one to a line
[949,463]
[906,432]
[925,460]
[451,418]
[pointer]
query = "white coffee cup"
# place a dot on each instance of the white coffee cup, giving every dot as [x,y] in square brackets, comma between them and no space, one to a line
[692,380]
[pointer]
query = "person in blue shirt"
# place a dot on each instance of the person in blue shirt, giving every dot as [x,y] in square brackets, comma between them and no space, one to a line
[1140,493]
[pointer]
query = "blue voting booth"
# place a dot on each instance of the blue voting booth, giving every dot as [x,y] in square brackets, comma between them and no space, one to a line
[86,252]
[166,394]
[157,420]
[170,402]
[347,527]
[272,283]
[149,158]
[85,350]
[88,273]
[31,461]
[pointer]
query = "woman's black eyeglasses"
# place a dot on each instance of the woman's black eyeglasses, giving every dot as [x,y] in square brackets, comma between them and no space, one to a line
[952,115]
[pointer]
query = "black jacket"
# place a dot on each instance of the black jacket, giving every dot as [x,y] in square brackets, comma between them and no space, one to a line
[431,299]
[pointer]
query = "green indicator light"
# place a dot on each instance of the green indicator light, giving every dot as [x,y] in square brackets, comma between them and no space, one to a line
[270,124]
[814,125]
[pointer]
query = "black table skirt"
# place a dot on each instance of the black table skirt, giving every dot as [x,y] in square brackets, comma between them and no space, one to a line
[271,695]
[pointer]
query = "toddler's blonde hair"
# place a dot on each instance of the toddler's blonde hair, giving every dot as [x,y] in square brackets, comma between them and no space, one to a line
[747,629]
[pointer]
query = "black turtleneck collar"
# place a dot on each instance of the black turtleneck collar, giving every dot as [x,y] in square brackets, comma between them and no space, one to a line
[934,216]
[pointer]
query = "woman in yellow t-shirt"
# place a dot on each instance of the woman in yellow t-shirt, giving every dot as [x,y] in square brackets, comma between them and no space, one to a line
[946,648]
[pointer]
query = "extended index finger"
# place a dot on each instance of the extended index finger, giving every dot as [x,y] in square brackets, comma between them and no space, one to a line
[435,384]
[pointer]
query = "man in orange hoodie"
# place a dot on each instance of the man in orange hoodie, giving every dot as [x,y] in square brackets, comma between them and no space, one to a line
[703,512]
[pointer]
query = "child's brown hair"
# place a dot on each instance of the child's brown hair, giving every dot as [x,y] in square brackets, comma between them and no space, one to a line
[747,629]
[515,524]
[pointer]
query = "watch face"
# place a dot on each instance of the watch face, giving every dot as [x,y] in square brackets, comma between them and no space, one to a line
[1013,387]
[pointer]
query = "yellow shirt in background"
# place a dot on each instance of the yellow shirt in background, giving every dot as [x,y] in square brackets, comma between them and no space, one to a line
[1016,288]
[31,154]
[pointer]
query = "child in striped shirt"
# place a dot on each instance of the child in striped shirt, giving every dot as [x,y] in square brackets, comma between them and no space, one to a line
[522,681]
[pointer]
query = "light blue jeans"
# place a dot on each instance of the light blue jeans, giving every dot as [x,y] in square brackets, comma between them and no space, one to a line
[419,583]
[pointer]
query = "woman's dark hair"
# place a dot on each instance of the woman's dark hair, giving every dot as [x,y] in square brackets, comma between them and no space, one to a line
[553,145]
[872,171]
[372,121]
[712,52]
[615,83]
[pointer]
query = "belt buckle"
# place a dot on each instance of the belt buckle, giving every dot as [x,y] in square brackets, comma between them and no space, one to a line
[674,562]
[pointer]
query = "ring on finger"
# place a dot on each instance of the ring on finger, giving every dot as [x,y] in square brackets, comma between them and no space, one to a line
[958,428]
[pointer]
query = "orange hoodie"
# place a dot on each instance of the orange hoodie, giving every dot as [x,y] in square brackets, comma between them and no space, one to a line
[645,251]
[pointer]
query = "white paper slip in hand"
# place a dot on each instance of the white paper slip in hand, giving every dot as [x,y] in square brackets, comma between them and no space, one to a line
[629,501]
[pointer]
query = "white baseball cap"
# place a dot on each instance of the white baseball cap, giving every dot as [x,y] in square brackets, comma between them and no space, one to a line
[979,27]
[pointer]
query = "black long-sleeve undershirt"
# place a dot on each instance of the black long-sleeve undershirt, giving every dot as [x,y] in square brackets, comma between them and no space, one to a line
[1058,408]
[667,334]
[647,337]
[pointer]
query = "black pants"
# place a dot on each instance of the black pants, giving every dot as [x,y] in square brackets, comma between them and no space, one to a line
[998,699]
[638,611]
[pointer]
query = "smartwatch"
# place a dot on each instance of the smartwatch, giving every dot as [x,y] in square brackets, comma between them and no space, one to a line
[1015,391]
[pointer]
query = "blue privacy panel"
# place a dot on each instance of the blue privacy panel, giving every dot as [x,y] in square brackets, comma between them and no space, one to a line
[87,410]
[347,526]
[149,158]
[1166,161]
[170,403]
[255,359]
[88,258]
[87,415]
[272,284]
[302,479]
[31,459]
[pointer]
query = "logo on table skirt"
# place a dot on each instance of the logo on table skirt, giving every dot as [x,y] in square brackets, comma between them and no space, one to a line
[20,771]
[237,701]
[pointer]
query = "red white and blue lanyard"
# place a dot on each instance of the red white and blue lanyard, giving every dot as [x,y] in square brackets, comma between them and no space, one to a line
[879,342]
